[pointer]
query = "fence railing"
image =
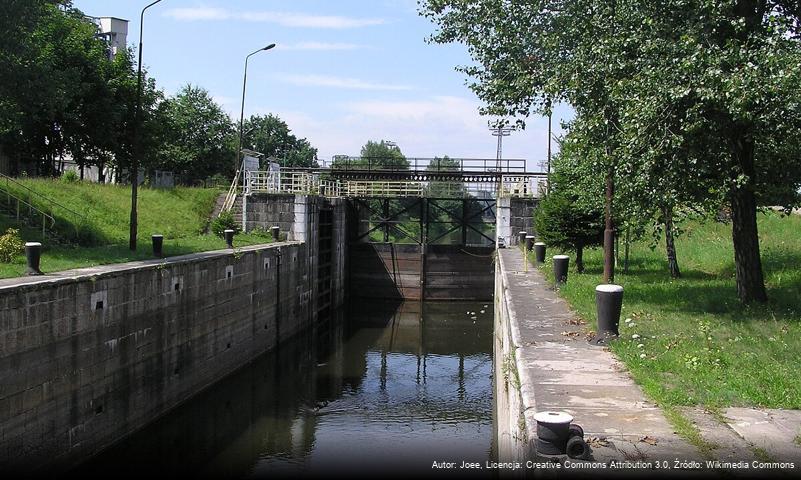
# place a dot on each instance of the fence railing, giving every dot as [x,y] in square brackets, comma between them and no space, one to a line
[306,183]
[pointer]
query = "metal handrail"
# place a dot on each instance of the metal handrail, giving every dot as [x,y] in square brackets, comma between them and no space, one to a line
[230,197]
[31,208]
[81,218]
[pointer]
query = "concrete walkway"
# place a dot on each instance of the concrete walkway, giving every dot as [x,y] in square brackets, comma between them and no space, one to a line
[560,370]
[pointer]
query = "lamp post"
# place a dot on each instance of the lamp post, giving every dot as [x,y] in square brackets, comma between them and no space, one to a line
[242,111]
[136,141]
[239,157]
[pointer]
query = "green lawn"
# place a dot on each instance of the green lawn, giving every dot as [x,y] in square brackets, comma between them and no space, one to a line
[180,214]
[690,341]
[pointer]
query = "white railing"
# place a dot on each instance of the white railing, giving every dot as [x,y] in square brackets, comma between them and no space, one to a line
[304,183]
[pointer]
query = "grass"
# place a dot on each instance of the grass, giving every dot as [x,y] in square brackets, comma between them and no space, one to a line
[180,214]
[696,343]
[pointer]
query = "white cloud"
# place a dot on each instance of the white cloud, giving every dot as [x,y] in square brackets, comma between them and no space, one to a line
[322,46]
[336,82]
[286,19]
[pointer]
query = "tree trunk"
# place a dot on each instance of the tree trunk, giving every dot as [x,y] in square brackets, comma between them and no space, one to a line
[747,262]
[580,258]
[670,246]
[609,231]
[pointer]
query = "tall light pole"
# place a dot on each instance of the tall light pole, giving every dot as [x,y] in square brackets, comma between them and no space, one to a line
[242,111]
[240,159]
[136,140]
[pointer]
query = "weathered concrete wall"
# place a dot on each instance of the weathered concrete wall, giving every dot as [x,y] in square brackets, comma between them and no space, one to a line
[513,437]
[91,355]
[451,272]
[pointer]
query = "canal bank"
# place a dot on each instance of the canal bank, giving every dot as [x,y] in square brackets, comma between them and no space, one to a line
[543,362]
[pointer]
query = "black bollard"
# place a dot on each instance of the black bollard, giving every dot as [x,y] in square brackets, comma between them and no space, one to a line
[529,242]
[553,432]
[521,238]
[560,264]
[33,253]
[608,303]
[539,252]
[276,231]
[229,238]
[158,244]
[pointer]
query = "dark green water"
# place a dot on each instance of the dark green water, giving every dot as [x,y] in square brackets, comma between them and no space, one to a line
[378,390]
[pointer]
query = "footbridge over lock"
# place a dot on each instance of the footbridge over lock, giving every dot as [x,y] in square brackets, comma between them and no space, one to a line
[422,229]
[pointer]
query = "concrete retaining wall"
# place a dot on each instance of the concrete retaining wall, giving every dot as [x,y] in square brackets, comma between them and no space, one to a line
[514,434]
[89,356]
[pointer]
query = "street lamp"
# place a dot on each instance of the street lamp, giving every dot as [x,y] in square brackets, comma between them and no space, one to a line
[136,144]
[242,112]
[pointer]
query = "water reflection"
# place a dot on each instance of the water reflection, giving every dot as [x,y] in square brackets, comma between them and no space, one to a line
[380,388]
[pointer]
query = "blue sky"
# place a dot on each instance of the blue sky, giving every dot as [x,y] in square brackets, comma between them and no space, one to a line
[344,72]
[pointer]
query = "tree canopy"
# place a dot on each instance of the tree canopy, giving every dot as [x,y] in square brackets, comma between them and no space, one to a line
[271,136]
[686,103]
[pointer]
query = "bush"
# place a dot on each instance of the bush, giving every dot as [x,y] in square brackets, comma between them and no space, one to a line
[11,245]
[225,221]
[69,176]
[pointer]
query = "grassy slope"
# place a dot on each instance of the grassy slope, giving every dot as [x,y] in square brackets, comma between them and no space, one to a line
[701,346]
[179,214]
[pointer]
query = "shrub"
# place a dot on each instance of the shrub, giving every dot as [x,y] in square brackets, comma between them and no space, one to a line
[69,176]
[11,245]
[225,221]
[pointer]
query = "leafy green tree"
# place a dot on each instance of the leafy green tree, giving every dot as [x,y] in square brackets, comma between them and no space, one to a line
[567,218]
[198,135]
[271,136]
[708,84]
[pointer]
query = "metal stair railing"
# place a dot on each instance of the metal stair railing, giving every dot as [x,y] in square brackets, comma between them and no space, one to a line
[15,204]
[230,197]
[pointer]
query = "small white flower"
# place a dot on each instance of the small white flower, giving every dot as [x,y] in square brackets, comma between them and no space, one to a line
[635,336]
[642,355]
[627,320]
[641,345]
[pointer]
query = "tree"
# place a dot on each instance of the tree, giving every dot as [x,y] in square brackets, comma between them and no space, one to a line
[718,79]
[271,136]
[567,218]
[384,155]
[198,137]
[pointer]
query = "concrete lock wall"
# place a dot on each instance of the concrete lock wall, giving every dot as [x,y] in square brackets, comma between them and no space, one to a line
[91,355]
[513,435]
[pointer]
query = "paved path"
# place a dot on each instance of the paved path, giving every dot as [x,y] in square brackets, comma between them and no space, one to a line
[562,371]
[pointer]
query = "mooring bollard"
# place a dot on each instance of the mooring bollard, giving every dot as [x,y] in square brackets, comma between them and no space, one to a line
[529,242]
[521,239]
[560,264]
[539,252]
[608,303]
[229,238]
[158,244]
[553,432]
[33,253]
[276,231]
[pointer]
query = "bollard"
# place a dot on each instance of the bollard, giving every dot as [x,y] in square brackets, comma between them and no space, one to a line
[560,264]
[521,238]
[539,252]
[276,231]
[553,431]
[608,303]
[229,238]
[33,253]
[529,242]
[158,243]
